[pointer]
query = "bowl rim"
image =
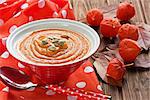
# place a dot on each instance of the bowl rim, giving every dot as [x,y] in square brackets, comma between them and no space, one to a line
[53,19]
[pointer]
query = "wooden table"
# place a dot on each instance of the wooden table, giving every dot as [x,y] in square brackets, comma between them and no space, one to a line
[137,82]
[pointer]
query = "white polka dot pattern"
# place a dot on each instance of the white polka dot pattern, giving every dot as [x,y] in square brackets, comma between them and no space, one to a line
[1,22]
[41,3]
[64,13]
[50,92]
[6,89]
[18,14]
[24,6]
[88,69]
[21,72]
[12,28]
[5,54]
[30,18]
[55,14]
[81,84]
[22,97]
[99,88]
[20,65]
[4,40]
[69,97]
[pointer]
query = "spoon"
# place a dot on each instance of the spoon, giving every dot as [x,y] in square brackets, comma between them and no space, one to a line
[18,79]
[15,78]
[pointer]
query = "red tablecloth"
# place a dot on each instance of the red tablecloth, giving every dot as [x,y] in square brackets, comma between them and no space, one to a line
[14,13]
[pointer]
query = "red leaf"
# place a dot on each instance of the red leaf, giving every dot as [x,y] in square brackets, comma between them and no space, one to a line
[143,60]
[101,65]
[144,36]
[116,69]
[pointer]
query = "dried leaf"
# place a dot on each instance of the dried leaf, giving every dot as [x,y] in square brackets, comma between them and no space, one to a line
[101,64]
[102,46]
[144,36]
[108,43]
[113,82]
[101,70]
[113,53]
[143,60]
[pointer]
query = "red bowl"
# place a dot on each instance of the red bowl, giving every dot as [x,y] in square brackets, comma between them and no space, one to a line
[46,73]
[53,74]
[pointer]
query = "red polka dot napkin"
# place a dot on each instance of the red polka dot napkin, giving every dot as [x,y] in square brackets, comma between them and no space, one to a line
[14,13]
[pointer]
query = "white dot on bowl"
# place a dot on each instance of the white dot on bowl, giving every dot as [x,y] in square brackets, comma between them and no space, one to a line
[81,84]
[21,72]
[64,13]
[88,69]
[69,97]
[50,92]
[55,14]
[6,89]
[4,40]
[22,97]
[24,6]
[1,22]
[41,3]
[18,14]
[30,18]
[12,28]
[46,87]
[20,65]
[5,54]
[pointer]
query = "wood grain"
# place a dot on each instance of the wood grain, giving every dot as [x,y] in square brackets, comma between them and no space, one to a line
[136,85]
[145,5]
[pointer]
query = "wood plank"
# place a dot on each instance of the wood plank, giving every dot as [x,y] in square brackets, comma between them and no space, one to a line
[139,12]
[81,7]
[115,92]
[139,15]
[144,81]
[137,83]
[113,2]
[130,89]
[146,9]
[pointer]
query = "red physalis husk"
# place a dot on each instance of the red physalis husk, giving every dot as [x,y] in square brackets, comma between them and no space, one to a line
[94,17]
[116,69]
[109,27]
[129,50]
[125,11]
[128,31]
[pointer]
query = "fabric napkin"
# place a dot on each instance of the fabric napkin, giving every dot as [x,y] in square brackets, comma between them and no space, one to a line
[14,13]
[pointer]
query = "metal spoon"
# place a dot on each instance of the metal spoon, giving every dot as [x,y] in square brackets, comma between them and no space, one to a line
[17,79]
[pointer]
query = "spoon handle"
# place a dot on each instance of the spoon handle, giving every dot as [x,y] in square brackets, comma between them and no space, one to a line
[87,95]
[76,92]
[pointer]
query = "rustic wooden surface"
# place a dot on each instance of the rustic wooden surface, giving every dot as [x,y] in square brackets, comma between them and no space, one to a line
[137,82]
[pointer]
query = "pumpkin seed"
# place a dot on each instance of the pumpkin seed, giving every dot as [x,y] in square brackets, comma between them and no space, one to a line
[52,48]
[62,42]
[44,42]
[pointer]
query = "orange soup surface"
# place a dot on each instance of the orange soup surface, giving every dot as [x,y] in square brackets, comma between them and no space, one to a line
[54,46]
